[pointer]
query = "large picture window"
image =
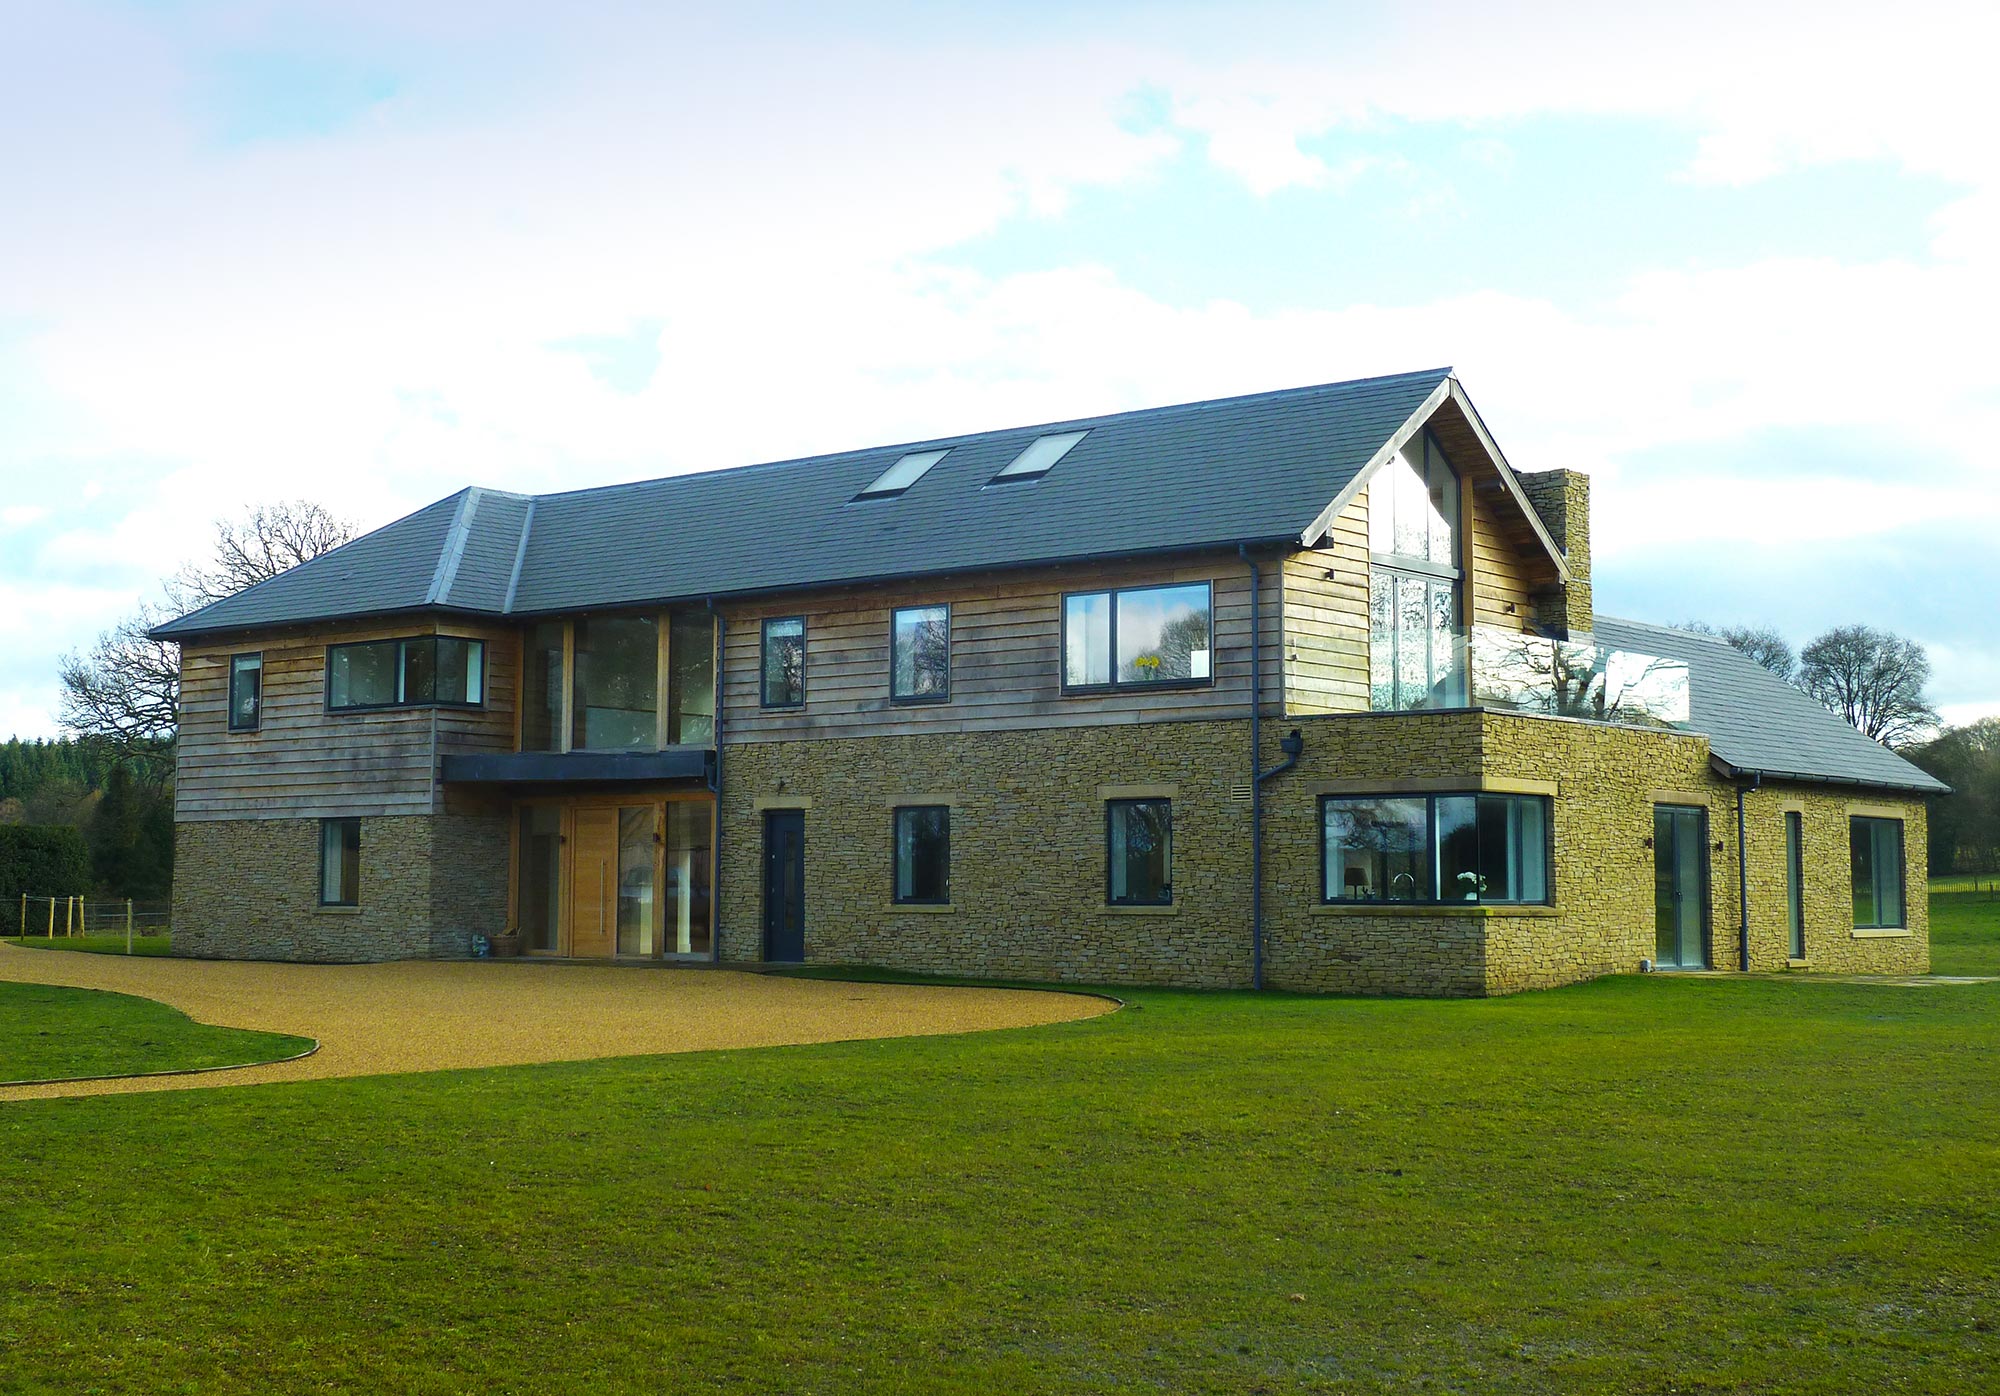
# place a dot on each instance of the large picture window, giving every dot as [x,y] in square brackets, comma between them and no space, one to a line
[1137,637]
[617,700]
[422,671]
[340,862]
[923,854]
[783,680]
[246,692]
[1414,625]
[1876,846]
[1435,848]
[920,654]
[1139,846]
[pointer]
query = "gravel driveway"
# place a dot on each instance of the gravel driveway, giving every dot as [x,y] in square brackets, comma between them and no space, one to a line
[435,1015]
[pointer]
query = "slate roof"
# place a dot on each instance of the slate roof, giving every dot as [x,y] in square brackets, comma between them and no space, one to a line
[1758,723]
[1250,469]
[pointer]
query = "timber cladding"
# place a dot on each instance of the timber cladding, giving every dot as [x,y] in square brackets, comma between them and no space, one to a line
[304,760]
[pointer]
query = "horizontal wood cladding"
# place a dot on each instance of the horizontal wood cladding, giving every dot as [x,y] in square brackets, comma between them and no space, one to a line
[303,761]
[1006,654]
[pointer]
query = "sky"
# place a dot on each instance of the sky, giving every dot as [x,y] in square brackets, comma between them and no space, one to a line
[1739,262]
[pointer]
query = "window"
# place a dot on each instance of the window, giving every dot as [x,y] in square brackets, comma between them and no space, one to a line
[246,692]
[420,672]
[784,664]
[615,706]
[920,654]
[1877,849]
[923,854]
[1414,630]
[1135,637]
[1139,846]
[1795,881]
[1435,848]
[340,862]
[1039,458]
[691,679]
[903,474]
[542,686]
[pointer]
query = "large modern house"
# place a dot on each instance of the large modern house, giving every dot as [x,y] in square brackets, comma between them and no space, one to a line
[1302,689]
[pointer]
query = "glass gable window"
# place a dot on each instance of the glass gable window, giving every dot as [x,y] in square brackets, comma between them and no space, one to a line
[1413,506]
[246,692]
[1139,847]
[920,654]
[1441,848]
[340,862]
[903,474]
[923,854]
[615,703]
[1039,457]
[1876,846]
[419,672]
[1138,636]
[784,662]
[1415,632]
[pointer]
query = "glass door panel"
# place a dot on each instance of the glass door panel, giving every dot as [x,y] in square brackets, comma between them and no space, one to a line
[688,871]
[538,894]
[1680,885]
[638,920]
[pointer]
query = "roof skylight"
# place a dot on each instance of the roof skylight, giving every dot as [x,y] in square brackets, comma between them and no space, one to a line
[1042,454]
[903,474]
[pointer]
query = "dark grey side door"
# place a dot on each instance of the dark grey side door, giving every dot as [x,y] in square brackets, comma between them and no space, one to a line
[784,886]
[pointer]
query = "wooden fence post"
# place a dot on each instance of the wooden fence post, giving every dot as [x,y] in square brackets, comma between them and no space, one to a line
[128,925]
[52,918]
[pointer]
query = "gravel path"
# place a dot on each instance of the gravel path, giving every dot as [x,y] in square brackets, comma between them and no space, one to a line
[435,1015]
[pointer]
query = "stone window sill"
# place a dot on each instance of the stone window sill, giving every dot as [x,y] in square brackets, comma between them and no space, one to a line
[898,908]
[338,910]
[1170,910]
[1883,933]
[1428,909]
[1798,964]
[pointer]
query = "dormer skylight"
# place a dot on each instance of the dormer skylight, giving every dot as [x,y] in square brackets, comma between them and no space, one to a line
[903,474]
[1042,454]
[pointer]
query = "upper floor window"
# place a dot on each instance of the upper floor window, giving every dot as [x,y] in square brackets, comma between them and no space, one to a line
[1434,848]
[1413,506]
[421,671]
[617,697]
[783,680]
[594,683]
[1415,627]
[246,692]
[1876,847]
[920,654]
[1137,636]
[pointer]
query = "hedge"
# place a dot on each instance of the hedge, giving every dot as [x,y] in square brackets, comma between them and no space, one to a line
[43,860]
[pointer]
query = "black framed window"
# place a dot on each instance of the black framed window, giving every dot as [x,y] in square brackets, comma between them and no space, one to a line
[923,854]
[920,654]
[1435,848]
[340,862]
[421,671]
[246,692]
[1139,852]
[1795,881]
[1876,846]
[783,678]
[1138,636]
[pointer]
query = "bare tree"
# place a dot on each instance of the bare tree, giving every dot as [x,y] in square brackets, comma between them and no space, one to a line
[1762,643]
[1873,679]
[126,689]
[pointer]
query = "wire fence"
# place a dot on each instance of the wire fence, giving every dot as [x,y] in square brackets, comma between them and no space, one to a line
[86,916]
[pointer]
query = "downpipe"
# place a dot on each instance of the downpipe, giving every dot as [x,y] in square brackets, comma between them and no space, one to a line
[1743,876]
[715,788]
[1293,744]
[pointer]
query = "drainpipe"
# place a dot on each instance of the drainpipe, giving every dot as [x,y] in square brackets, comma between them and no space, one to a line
[1743,876]
[1292,745]
[715,786]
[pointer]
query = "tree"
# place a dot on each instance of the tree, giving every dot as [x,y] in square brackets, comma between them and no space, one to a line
[131,845]
[267,540]
[1965,825]
[1873,679]
[1760,642]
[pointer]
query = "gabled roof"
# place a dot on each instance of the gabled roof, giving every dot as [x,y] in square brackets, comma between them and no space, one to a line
[1756,723]
[1256,469]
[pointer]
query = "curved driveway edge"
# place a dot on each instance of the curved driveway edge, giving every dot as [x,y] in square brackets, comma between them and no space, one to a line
[427,1015]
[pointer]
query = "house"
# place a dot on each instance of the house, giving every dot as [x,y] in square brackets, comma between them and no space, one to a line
[1303,689]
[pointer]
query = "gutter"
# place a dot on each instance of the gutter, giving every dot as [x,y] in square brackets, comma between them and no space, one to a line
[1728,771]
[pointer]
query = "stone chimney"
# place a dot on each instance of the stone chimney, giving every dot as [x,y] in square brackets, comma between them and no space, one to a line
[1562,498]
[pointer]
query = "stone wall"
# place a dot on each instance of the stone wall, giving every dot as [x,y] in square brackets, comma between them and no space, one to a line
[1562,499]
[249,889]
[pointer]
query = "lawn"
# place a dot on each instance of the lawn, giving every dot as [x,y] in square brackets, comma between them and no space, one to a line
[1965,926]
[49,1033]
[98,944]
[1638,1185]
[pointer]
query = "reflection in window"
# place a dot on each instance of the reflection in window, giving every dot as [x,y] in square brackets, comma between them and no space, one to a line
[542,686]
[540,876]
[246,692]
[1142,635]
[1140,852]
[637,924]
[616,703]
[923,854]
[361,676]
[1445,848]
[340,862]
[1376,850]
[920,654]
[1413,505]
[691,679]
[422,671]
[1876,846]
[1414,643]
[689,839]
[784,662]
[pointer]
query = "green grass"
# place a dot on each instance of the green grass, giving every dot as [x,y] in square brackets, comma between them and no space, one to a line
[1638,1185]
[98,944]
[50,1033]
[1965,926]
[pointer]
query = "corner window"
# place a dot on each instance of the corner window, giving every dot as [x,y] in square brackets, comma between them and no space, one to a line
[920,654]
[784,663]
[1435,848]
[422,671]
[1137,637]
[246,692]
[1139,846]
[1876,846]
[340,862]
[923,854]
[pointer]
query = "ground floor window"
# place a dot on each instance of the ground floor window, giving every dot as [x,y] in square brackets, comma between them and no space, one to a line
[630,877]
[1435,848]
[1139,839]
[1876,846]
[923,854]
[1795,881]
[340,862]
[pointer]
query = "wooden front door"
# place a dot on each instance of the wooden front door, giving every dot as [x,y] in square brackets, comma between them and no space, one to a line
[593,882]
